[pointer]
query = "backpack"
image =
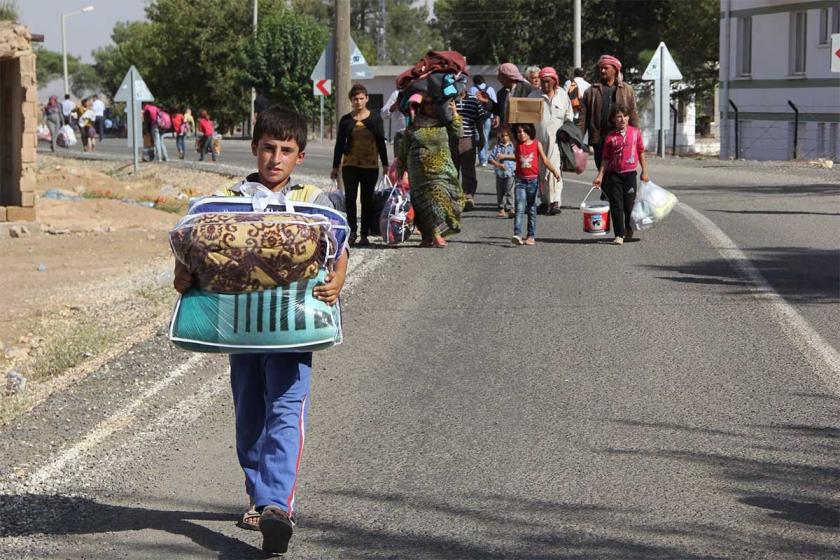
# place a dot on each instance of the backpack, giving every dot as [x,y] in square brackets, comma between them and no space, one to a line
[164,121]
[574,96]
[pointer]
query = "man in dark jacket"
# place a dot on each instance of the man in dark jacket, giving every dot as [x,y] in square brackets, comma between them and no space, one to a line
[514,84]
[599,98]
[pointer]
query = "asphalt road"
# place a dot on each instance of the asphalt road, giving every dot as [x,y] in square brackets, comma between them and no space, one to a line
[676,397]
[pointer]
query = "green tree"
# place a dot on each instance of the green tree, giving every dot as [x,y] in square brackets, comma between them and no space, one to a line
[408,35]
[279,60]
[539,32]
[50,65]
[85,81]
[8,10]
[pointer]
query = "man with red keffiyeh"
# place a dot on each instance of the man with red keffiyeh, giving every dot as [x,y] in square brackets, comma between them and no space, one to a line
[599,98]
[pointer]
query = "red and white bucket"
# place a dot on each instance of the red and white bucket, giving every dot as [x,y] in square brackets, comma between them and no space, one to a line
[596,216]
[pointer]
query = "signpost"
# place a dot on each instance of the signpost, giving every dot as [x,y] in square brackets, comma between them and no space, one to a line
[322,88]
[133,90]
[324,72]
[835,52]
[325,69]
[662,69]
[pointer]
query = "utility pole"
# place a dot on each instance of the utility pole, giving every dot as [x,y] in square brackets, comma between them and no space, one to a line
[577,61]
[342,58]
[381,52]
[253,90]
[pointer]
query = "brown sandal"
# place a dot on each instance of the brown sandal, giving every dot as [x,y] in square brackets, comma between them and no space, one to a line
[250,520]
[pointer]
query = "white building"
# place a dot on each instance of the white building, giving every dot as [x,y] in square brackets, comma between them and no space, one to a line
[775,56]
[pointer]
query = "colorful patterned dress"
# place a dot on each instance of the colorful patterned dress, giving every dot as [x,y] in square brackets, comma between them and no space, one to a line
[436,194]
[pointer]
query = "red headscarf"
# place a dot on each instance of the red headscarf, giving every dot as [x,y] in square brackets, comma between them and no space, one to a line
[609,60]
[548,71]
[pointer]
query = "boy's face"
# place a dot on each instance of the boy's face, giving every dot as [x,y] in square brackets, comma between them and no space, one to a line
[276,159]
[621,120]
[505,138]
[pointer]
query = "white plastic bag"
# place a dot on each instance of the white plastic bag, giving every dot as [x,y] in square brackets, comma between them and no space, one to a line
[66,136]
[653,204]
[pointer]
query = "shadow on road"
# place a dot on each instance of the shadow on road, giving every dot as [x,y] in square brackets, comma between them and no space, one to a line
[823,189]
[799,275]
[529,529]
[32,514]
[784,470]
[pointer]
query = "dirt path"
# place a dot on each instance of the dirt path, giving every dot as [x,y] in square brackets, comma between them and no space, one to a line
[97,274]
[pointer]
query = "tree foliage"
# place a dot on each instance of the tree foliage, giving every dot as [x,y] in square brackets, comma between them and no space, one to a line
[279,60]
[539,32]
[50,65]
[8,10]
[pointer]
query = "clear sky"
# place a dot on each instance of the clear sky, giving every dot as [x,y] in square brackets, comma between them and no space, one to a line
[85,32]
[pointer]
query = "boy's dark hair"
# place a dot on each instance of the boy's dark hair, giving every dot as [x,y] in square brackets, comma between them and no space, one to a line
[281,123]
[618,108]
[478,80]
[529,129]
[578,73]
[66,96]
[356,90]
[504,129]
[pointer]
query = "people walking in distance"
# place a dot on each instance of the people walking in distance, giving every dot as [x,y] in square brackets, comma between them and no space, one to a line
[485,93]
[271,391]
[529,152]
[151,113]
[436,194]
[556,110]
[67,107]
[87,125]
[189,120]
[513,85]
[55,119]
[623,152]
[575,89]
[98,107]
[472,113]
[360,142]
[180,131]
[504,170]
[533,75]
[204,136]
[599,98]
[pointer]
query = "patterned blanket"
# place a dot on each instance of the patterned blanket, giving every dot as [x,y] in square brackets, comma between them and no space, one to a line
[243,252]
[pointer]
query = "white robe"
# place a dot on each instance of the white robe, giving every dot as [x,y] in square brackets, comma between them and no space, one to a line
[556,111]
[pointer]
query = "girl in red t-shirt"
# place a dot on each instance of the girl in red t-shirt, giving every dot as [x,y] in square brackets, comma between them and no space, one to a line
[624,150]
[527,180]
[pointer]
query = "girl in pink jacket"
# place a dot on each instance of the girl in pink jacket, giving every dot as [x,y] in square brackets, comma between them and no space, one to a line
[624,150]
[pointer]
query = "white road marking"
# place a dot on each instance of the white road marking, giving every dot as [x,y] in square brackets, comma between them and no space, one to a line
[361,263]
[110,425]
[822,356]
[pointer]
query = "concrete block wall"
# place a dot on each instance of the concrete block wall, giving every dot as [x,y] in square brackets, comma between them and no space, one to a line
[18,124]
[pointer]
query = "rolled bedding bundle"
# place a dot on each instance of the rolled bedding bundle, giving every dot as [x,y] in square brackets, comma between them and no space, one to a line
[281,319]
[236,252]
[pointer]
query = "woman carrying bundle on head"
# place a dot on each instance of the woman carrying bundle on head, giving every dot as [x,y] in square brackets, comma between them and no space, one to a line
[436,194]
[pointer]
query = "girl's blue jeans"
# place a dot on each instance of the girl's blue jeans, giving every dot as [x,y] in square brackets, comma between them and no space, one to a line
[526,201]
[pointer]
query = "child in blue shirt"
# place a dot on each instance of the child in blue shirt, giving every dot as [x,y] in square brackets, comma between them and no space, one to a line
[504,173]
[271,390]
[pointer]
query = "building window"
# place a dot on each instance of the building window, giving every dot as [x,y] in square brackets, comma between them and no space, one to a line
[798,33]
[744,46]
[825,25]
